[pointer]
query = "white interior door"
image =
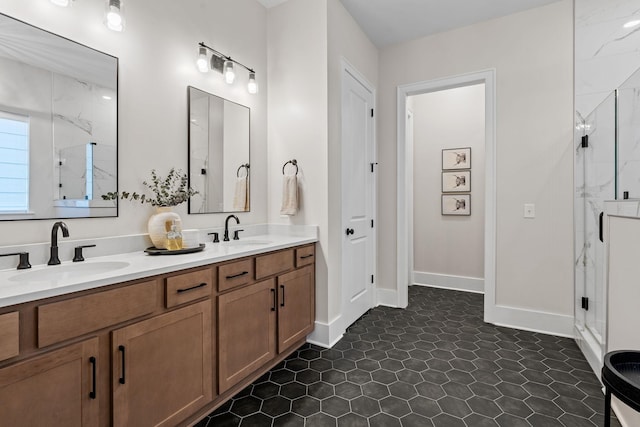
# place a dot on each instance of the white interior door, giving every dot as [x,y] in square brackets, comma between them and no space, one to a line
[358,184]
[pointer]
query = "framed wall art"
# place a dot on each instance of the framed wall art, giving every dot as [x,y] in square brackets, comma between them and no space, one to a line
[456,158]
[456,181]
[456,204]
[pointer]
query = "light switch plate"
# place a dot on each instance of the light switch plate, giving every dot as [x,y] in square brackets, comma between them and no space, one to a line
[529,210]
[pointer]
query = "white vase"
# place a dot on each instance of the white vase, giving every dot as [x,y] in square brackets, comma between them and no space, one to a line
[158,225]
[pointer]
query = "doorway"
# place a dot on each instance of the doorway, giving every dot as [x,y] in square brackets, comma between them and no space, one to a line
[358,195]
[405,180]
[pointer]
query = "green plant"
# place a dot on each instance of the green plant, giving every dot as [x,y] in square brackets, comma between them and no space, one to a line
[169,191]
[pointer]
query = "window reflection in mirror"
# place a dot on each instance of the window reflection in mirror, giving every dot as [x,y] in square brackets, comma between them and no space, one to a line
[58,126]
[219,166]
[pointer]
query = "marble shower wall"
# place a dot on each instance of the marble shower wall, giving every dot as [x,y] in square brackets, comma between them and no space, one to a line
[606,53]
[83,113]
[629,137]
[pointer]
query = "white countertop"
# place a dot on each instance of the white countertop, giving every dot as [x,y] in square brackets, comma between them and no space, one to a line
[15,289]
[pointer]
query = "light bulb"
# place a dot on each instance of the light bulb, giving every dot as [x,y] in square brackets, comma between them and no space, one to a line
[62,3]
[252,86]
[202,62]
[113,17]
[632,24]
[229,73]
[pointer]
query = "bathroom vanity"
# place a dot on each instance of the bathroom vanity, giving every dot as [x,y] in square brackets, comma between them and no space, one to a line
[161,349]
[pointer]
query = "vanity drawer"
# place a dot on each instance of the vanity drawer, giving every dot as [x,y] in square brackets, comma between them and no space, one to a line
[74,317]
[305,256]
[188,287]
[235,274]
[269,265]
[9,335]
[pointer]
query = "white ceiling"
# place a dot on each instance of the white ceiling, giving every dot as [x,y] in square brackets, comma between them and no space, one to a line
[388,22]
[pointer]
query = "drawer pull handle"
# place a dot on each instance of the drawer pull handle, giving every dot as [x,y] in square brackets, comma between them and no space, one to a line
[233,276]
[306,256]
[273,293]
[201,285]
[93,393]
[121,349]
[282,289]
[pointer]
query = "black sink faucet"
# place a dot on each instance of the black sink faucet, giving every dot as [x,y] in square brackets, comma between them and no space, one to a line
[226,227]
[53,259]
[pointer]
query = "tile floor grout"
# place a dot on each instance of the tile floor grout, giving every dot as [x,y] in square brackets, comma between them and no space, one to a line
[434,364]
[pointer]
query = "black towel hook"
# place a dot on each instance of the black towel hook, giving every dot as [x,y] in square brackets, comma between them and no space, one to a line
[294,162]
[246,166]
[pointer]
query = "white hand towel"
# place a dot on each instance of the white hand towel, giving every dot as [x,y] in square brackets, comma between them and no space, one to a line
[289,195]
[240,197]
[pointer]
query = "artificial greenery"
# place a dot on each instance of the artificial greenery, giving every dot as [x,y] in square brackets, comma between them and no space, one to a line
[170,191]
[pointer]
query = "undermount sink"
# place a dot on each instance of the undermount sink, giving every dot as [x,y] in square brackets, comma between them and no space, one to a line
[68,271]
[248,243]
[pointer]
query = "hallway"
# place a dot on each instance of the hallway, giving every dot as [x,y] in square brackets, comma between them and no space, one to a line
[434,364]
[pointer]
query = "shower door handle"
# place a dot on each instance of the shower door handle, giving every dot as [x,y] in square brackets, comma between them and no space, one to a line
[600,226]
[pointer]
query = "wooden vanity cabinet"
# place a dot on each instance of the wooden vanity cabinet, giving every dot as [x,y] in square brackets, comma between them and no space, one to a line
[161,351]
[246,331]
[53,389]
[296,306]
[162,367]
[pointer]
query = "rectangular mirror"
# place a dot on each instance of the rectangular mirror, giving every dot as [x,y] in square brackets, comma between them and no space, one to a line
[218,154]
[58,126]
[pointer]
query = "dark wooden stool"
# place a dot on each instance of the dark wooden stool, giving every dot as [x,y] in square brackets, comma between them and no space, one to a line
[621,378]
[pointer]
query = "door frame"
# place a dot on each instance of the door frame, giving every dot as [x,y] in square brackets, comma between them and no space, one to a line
[405,179]
[347,68]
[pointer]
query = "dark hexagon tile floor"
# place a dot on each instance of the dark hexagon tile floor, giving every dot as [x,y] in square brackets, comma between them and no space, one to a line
[434,364]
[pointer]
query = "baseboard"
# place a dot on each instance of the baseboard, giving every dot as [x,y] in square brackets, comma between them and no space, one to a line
[447,281]
[326,334]
[586,344]
[387,297]
[530,320]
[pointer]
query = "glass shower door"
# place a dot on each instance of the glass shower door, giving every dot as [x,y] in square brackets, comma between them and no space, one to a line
[595,176]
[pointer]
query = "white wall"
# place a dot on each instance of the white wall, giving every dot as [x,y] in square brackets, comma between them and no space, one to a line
[307,40]
[157,54]
[297,54]
[532,55]
[448,245]
[346,41]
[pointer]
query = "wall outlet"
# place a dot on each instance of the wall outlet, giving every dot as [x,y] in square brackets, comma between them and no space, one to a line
[529,210]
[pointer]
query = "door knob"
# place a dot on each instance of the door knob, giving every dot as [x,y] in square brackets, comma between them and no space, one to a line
[350,231]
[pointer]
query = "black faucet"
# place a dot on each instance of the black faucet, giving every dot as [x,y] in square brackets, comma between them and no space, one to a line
[53,259]
[226,227]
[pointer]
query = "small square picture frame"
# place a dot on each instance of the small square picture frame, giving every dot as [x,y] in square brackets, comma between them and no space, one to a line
[456,158]
[456,204]
[456,181]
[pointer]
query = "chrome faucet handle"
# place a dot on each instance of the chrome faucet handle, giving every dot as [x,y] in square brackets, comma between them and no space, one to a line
[216,239]
[77,256]
[236,236]
[24,259]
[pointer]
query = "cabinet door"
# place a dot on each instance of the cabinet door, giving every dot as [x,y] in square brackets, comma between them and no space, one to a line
[296,306]
[54,389]
[246,337]
[162,367]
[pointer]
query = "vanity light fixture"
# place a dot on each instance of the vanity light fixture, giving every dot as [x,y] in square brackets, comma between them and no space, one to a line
[632,24]
[202,62]
[252,86]
[224,64]
[62,3]
[114,19]
[229,74]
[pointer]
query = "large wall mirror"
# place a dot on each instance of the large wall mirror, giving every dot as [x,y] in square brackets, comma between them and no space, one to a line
[58,126]
[219,167]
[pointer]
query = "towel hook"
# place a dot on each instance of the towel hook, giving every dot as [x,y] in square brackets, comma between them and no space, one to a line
[246,166]
[294,162]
